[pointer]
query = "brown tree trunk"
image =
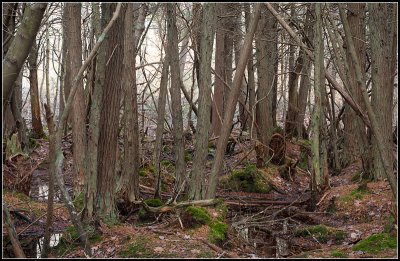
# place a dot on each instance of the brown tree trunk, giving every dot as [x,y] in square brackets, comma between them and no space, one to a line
[109,119]
[231,103]
[267,58]
[383,38]
[179,145]
[130,171]
[74,48]
[197,189]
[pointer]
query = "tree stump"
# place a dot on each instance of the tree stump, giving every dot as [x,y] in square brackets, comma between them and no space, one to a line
[277,149]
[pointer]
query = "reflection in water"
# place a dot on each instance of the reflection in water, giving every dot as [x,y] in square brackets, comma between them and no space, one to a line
[54,240]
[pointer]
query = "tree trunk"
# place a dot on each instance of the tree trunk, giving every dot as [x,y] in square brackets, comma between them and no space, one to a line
[231,104]
[130,172]
[179,145]
[21,47]
[197,189]
[74,47]
[109,119]
[267,58]
[94,115]
[355,135]
[383,57]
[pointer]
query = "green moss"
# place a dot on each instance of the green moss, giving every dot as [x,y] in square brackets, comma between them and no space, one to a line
[338,254]
[376,243]
[222,209]
[69,239]
[249,180]
[218,231]
[79,202]
[153,202]
[137,249]
[167,149]
[322,233]
[358,193]
[199,215]
[146,170]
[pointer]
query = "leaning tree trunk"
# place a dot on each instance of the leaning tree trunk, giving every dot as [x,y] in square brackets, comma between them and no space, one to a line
[196,183]
[231,104]
[21,46]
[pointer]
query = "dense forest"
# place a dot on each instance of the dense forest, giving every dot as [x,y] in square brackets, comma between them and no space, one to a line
[167,130]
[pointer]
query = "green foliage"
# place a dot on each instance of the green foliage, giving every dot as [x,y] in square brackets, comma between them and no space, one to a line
[165,163]
[218,231]
[338,254]
[322,233]
[199,214]
[278,129]
[376,243]
[249,180]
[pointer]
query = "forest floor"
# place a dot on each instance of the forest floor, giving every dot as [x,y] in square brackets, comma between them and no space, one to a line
[349,220]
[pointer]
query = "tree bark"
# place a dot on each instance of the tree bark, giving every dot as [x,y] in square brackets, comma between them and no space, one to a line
[179,145]
[74,47]
[109,120]
[21,46]
[231,104]
[130,172]
[197,189]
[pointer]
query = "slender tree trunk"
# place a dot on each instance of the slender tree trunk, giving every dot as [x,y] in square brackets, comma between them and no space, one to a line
[179,145]
[231,103]
[197,189]
[74,47]
[251,86]
[217,105]
[37,127]
[160,124]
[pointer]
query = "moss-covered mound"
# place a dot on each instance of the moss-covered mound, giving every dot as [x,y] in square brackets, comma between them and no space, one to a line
[249,179]
[376,243]
[322,233]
